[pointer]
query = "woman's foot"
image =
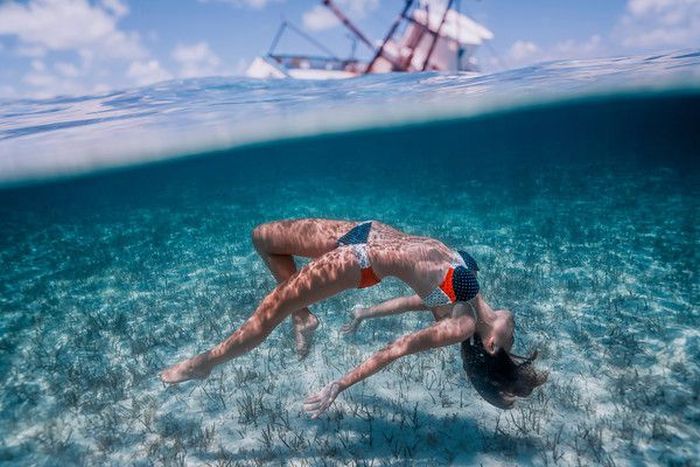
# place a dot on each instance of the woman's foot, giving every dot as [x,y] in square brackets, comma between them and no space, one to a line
[351,326]
[303,334]
[197,367]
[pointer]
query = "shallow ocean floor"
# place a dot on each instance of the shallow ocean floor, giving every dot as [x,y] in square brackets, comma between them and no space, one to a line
[585,227]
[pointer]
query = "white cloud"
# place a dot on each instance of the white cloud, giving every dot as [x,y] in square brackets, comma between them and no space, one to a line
[320,17]
[645,24]
[591,47]
[38,65]
[60,78]
[359,8]
[45,82]
[147,72]
[256,4]
[7,91]
[70,25]
[116,7]
[66,69]
[95,53]
[650,24]
[522,51]
[39,79]
[30,51]
[241,67]
[196,60]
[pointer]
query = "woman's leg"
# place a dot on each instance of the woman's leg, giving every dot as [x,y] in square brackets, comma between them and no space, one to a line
[310,238]
[323,277]
[277,243]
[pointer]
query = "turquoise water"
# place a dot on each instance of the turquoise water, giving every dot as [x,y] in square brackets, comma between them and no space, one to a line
[574,185]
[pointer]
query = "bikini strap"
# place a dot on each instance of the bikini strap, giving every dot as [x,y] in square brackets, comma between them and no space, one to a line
[468,261]
[360,250]
[436,298]
[368,277]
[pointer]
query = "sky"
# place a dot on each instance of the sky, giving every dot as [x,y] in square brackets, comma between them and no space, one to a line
[76,47]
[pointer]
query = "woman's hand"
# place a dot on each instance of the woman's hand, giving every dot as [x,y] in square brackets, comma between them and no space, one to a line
[351,327]
[317,403]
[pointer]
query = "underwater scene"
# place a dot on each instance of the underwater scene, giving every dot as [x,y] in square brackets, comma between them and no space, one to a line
[125,247]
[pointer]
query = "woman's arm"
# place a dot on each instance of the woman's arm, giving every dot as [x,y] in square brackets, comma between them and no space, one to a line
[389,307]
[446,332]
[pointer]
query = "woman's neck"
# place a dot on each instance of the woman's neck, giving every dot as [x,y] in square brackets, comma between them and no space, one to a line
[484,315]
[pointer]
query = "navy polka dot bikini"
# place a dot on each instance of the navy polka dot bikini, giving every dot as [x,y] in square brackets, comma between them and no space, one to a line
[459,284]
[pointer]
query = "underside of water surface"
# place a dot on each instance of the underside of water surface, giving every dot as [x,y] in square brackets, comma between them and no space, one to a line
[582,215]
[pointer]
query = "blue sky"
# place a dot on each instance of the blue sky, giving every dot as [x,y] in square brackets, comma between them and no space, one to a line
[51,47]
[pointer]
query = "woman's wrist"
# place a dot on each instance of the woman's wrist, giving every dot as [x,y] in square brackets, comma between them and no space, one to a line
[342,383]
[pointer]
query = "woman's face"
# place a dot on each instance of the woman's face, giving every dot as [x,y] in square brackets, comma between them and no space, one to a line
[502,333]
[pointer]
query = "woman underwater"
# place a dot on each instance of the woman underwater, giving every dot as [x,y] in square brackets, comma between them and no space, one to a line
[360,254]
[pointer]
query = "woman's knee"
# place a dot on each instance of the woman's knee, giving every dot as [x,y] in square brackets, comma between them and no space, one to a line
[260,236]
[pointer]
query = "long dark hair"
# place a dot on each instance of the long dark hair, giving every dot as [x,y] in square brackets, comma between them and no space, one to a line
[500,378]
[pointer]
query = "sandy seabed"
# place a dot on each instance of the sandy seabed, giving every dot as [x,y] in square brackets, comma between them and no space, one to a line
[99,294]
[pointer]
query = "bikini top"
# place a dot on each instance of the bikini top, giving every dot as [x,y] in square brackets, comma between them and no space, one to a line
[459,284]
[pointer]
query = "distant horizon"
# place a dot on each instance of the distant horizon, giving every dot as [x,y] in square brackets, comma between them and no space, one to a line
[75,47]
